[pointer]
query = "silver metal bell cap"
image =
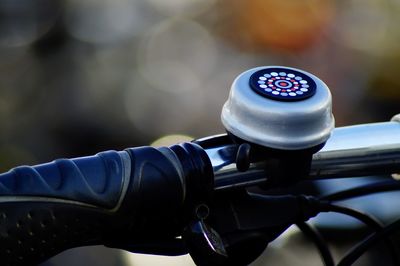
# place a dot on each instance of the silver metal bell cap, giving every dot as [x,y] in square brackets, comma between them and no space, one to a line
[279,107]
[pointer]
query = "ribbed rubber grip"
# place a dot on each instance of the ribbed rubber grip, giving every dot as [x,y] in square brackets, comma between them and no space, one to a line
[32,232]
[118,199]
[95,180]
[47,208]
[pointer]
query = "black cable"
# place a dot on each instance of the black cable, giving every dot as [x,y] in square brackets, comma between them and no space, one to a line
[368,220]
[376,187]
[363,217]
[367,243]
[319,242]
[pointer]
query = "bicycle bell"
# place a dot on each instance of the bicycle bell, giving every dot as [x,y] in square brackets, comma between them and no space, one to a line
[285,110]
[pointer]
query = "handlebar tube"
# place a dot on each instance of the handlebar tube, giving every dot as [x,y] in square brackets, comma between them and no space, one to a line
[146,195]
[351,151]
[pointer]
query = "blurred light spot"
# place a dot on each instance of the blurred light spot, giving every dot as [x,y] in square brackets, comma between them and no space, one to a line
[281,25]
[177,55]
[396,176]
[25,21]
[363,25]
[106,71]
[103,21]
[19,89]
[140,259]
[172,76]
[156,112]
[182,7]
[171,140]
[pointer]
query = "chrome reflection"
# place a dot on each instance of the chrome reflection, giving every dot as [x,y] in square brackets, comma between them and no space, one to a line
[359,150]
[351,151]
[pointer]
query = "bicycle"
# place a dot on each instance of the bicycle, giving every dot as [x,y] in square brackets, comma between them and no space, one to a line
[223,198]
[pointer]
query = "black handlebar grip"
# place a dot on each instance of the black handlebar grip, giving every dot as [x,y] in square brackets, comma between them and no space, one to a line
[112,198]
[95,180]
[51,207]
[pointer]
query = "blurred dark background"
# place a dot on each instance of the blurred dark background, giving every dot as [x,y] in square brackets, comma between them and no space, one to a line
[79,77]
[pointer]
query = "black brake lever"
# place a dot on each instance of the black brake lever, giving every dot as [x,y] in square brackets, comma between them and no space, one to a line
[241,225]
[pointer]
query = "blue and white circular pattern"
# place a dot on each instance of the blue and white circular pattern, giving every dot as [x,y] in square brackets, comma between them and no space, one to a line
[282,84]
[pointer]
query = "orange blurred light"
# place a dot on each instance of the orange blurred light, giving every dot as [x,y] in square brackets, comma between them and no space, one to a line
[287,25]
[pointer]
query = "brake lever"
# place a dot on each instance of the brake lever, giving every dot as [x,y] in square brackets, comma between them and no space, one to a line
[204,244]
[240,225]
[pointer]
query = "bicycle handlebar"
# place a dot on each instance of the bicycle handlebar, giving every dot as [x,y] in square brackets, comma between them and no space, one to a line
[360,150]
[120,197]
[160,200]
[110,198]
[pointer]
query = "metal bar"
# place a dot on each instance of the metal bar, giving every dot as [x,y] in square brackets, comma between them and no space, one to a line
[368,149]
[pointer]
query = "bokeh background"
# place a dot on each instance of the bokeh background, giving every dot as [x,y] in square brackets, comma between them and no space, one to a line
[79,77]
